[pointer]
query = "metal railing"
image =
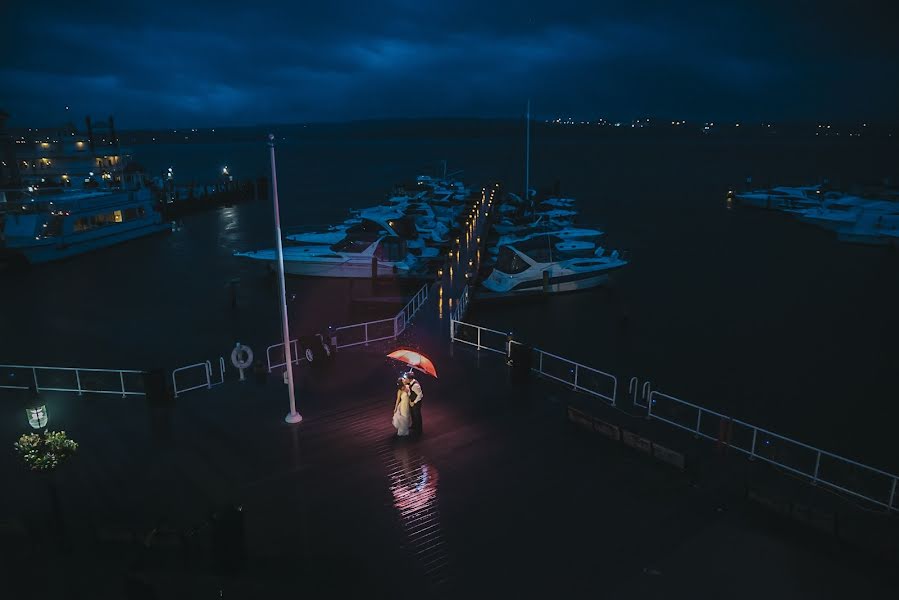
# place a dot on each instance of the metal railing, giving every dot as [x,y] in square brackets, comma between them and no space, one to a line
[203,381]
[382,329]
[818,466]
[358,334]
[74,379]
[552,366]
[458,312]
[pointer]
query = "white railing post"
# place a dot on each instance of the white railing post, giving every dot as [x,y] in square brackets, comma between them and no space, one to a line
[122,380]
[37,388]
[479,338]
[893,493]
[755,433]
[575,375]
[208,375]
[541,362]
[817,466]
[78,380]
[366,334]
[698,418]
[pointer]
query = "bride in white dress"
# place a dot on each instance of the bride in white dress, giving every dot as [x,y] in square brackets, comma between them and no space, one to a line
[402,412]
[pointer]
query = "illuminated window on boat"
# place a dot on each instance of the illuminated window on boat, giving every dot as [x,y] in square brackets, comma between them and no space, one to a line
[118,216]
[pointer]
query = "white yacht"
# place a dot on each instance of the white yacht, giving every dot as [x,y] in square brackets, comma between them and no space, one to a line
[538,221]
[845,212]
[786,198]
[551,264]
[357,256]
[370,222]
[565,234]
[48,227]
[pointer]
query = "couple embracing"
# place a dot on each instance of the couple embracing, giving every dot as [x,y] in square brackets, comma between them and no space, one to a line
[407,409]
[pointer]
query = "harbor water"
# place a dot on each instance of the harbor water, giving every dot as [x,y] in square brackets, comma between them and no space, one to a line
[744,311]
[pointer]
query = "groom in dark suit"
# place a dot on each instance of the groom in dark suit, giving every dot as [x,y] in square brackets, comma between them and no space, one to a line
[416,396]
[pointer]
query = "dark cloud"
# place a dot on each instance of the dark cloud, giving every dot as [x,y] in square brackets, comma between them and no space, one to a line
[199,64]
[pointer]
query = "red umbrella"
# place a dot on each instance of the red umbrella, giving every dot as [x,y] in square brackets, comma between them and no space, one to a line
[415,360]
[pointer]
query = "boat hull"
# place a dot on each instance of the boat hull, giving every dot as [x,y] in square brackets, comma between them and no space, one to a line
[52,249]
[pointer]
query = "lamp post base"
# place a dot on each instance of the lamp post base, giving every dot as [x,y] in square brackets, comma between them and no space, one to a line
[293,417]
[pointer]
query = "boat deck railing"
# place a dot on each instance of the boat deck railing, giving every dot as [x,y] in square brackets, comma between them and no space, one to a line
[815,465]
[197,376]
[42,378]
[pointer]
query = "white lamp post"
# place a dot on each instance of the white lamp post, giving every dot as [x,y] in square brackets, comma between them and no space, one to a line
[293,416]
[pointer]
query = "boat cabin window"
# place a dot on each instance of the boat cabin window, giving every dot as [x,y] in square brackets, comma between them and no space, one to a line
[391,249]
[404,227]
[353,244]
[367,226]
[510,262]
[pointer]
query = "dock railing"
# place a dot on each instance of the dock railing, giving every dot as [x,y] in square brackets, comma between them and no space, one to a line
[41,378]
[815,464]
[197,376]
[356,334]
[578,376]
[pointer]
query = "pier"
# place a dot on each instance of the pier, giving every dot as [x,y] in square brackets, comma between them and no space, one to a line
[519,487]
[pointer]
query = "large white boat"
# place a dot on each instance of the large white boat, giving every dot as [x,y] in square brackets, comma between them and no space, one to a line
[371,222]
[550,264]
[48,227]
[357,256]
[565,233]
[845,212]
[80,192]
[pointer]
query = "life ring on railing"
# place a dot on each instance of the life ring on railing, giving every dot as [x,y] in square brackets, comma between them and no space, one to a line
[242,356]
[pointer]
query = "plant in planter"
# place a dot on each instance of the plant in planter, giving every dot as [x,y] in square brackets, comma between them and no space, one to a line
[45,451]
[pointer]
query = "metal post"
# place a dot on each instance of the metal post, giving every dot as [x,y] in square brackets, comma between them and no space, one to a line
[698,419]
[479,338]
[527,156]
[37,389]
[293,416]
[78,379]
[893,493]
[122,380]
[366,333]
[817,465]
[575,375]
[752,450]
[209,375]
[541,362]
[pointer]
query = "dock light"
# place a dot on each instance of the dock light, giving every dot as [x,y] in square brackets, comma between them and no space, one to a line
[225,170]
[37,416]
[470,263]
[440,274]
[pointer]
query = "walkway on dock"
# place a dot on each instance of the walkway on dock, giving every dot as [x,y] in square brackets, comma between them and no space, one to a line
[501,495]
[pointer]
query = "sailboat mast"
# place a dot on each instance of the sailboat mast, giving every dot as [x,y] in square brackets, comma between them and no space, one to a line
[527,156]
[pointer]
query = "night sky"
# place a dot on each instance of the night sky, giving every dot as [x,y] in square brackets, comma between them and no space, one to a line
[206,63]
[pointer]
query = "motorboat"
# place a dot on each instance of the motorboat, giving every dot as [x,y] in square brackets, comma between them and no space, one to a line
[358,256]
[786,198]
[845,212]
[538,221]
[565,233]
[368,222]
[872,229]
[550,264]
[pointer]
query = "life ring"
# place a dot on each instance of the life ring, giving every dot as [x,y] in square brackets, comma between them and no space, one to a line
[242,356]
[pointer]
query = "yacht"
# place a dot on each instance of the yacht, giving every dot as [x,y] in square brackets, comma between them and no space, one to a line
[566,233]
[550,264]
[378,220]
[845,212]
[786,198]
[45,227]
[358,256]
[538,221]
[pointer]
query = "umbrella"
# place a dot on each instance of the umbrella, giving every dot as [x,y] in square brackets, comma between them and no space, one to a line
[415,360]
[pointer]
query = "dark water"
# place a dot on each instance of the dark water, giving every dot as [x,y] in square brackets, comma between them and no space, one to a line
[745,311]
